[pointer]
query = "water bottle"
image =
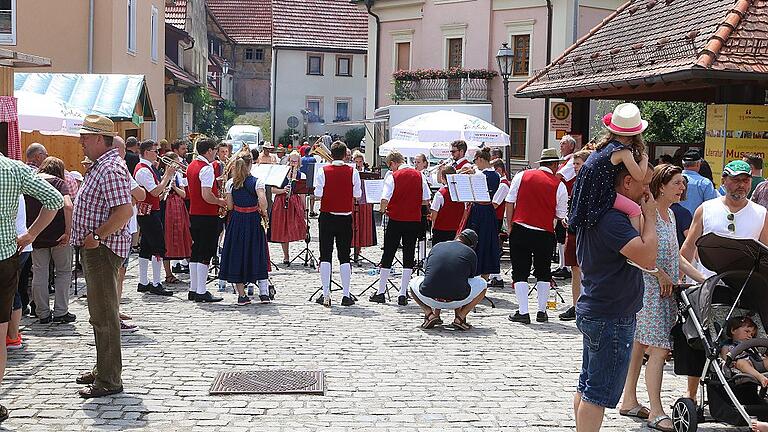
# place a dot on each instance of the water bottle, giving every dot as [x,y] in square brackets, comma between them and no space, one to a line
[374,271]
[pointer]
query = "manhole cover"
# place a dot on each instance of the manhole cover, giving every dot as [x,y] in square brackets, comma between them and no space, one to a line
[265,382]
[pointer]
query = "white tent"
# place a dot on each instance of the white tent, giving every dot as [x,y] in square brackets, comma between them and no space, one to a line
[47,114]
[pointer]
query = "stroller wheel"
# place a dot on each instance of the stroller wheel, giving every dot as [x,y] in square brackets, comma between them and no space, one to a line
[684,415]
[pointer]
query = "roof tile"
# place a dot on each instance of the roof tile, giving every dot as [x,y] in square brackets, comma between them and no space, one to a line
[177,15]
[328,24]
[245,21]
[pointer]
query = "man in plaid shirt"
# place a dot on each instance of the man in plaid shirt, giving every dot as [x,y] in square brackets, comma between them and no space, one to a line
[102,211]
[16,179]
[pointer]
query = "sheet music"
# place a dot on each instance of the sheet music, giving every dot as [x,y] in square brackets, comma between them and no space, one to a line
[373,190]
[480,188]
[271,174]
[460,187]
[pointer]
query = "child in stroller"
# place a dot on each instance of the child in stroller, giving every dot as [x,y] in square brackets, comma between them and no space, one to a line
[750,361]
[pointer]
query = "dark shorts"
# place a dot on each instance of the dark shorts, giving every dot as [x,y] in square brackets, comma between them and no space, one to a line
[205,232]
[560,233]
[570,250]
[9,285]
[607,348]
[152,235]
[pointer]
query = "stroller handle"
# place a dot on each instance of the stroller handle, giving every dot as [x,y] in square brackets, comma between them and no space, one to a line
[680,287]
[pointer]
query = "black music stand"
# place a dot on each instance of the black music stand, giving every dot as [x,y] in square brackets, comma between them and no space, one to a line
[396,260]
[302,187]
[356,256]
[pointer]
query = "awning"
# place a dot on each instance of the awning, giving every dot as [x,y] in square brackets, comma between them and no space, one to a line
[179,76]
[119,97]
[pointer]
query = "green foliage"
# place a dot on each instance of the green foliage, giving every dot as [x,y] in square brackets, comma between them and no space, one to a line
[286,138]
[668,122]
[211,117]
[262,120]
[354,136]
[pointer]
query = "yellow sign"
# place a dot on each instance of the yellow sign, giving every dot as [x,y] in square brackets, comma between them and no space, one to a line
[733,131]
[560,119]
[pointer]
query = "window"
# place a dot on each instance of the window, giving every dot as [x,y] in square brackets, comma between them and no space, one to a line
[315,108]
[518,138]
[522,48]
[403,52]
[365,66]
[249,53]
[343,66]
[8,22]
[258,54]
[153,33]
[342,110]
[455,55]
[132,26]
[314,64]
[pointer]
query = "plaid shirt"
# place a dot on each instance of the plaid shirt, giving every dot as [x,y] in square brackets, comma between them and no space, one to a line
[107,184]
[16,179]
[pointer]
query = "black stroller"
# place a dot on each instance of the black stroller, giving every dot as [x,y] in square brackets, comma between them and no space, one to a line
[740,287]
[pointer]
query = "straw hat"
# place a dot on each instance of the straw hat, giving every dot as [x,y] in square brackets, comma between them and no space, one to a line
[549,155]
[625,120]
[268,145]
[98,125]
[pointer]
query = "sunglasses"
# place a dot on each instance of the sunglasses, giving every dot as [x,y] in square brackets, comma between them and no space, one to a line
[731,224]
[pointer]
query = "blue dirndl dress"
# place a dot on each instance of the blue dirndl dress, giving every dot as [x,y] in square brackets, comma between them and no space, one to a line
[244,257]
[482,219]
[594,192]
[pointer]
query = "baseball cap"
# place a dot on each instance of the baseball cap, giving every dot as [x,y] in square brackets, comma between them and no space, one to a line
[736,167]
[471,237]
[692,156]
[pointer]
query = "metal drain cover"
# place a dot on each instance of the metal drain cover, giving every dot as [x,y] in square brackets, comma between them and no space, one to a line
[268,382]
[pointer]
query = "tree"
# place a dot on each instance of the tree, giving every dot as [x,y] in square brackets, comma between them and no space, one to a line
[354,136]
[213,118]
[668,122]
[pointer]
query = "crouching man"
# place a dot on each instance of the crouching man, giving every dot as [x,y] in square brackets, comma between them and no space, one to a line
[450,281]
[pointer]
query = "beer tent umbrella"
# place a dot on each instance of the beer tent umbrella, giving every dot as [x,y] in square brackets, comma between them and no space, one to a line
[47,114]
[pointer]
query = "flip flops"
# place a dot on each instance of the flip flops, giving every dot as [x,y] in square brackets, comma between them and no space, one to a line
[639,411]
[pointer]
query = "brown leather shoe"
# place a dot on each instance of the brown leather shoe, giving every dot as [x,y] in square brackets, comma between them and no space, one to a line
[86,378]
[93,392]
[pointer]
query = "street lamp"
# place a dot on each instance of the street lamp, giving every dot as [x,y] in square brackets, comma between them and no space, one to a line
[225,67]
[505,58]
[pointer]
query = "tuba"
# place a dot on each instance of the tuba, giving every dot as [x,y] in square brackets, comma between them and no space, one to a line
[322,152]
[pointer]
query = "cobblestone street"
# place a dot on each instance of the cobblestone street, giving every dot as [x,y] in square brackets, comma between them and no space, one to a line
[382,372]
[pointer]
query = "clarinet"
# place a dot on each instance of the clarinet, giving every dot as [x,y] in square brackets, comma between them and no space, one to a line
[289,192]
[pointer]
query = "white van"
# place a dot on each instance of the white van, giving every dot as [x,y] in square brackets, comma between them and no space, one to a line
[248,134]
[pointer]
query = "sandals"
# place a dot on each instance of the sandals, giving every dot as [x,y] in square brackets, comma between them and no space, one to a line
[3,413]
[94,392]
[430,321]
[86,378]
[656,424]
[171,279]
[639,411]
[461,324]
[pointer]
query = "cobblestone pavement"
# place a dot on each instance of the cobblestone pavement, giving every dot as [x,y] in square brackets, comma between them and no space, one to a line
[382,371]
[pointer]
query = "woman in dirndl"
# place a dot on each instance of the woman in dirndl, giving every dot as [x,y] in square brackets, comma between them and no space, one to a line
[244,257]
[363,223]
[288,224]
[178,239]
[482,219]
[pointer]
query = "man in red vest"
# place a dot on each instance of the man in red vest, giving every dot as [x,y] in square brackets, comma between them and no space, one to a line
[446,213]
[152,246]
[335,220]
[459,154]
[567,175]
[204,223]
[536,200]
[404,192]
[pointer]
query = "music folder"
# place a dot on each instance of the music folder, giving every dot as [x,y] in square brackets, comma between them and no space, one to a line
[468,188]
[271,174]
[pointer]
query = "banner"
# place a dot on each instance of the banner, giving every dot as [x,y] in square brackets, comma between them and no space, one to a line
[733,131]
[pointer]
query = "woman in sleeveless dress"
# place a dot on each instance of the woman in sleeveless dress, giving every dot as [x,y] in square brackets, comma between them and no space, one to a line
[659,313]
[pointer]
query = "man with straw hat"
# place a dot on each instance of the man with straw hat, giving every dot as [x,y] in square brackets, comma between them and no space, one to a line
[99,228]
[536,200]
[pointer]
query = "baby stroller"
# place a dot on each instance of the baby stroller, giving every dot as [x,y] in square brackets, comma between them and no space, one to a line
[740,287]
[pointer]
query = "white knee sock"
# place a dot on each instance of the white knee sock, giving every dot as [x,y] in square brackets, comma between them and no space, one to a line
[542,289]
[157,266]
[561,255]
[143,269]
[192,277]
[405,281]
[521,290]
[202,278]
[383,276]
[325,278]
[264,287]
[346,275]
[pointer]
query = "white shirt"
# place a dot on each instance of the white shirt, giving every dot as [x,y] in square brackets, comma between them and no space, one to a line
[133,226]
[567,171]
[561,208]
[437,202]
[21,222]
[145,177]
[501,194]
[206,173]
[389,187]
[180,180]
[357,190]
[259,185]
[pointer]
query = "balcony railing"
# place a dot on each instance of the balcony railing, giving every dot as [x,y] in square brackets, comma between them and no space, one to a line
[443,89]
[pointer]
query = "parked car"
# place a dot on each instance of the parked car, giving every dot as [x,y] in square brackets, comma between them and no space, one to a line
[244,134]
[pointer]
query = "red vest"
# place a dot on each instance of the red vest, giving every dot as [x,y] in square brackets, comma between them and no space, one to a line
[537,200]
[503,205]
[197,205]
[450,214]
[337,191]
[150,199]
[568,184]
[461,164]
[405,204]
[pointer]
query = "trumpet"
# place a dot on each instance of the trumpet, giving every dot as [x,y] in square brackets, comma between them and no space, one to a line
[433,169]
[179,165]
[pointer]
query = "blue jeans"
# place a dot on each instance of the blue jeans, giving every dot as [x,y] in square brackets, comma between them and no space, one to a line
[607,349]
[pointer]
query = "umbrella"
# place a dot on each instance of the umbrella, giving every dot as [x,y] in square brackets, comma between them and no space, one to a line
[446,126]
[440,150]
[47,114]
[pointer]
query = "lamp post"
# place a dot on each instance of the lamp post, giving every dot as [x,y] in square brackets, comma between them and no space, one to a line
[505,58]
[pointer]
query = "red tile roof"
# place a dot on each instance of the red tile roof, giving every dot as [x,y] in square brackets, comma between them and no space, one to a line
[177,15]
[214,94]
[179,75]
[245,21]
[646,39]
[328,24]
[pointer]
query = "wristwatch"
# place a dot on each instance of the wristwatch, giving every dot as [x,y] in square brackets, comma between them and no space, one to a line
[96,236]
